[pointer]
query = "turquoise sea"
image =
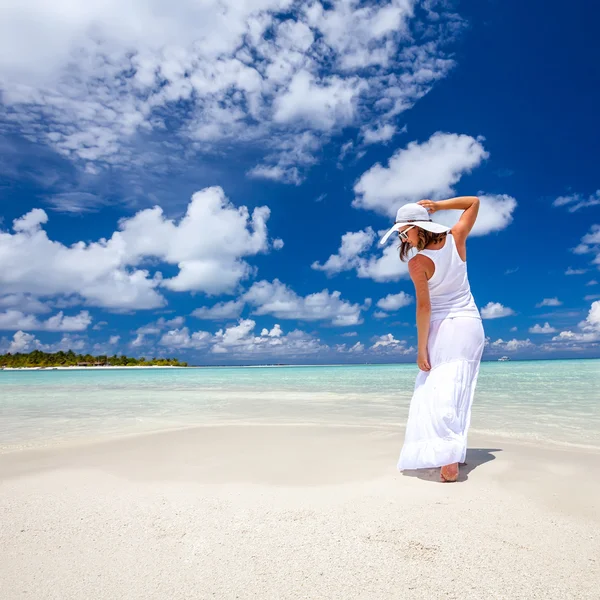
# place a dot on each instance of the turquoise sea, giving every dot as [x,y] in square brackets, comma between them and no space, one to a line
[540,401]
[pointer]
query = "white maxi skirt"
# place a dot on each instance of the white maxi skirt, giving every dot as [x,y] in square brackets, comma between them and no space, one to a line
[440,409]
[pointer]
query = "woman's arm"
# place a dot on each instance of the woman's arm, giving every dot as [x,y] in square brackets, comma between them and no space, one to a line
[416,268]
[460,231]
[458,203]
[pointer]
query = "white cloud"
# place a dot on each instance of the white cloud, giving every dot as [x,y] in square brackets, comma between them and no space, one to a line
[59,322]
[138,341]
[14,319]
[154,328]
[220,311]
[350,334]
[571,271]
[288,152]
[182,339]
[174,322]
[106,347]
[393,302]
[30,221]
[426,170]
[379,314]
[275,332]
[569,346]
[389,344]
[590,243]
[430,170]
[344,150]
[382,133]
[149,329]
[68,342]
[358,348]
[576,201]
[76,202]
[384,267]
[67,301]
[279,300]
[379,267]
[283,174]
[513,345]
[592,282]
[208,245]
[23,302]
[24,342]
[590,328]
[361,36]
[320,106]
[581,249]
[87,84]
[545,328]
[593,237]
[234,336]
[240,341]
[495,214]
[348,257]
[549,302]
[592,321]
[495,310]
[278,244]
[570,336]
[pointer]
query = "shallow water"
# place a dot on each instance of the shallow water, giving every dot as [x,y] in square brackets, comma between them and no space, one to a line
[549,401]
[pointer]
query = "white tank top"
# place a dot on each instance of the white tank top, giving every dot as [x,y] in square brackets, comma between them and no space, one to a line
[449,287]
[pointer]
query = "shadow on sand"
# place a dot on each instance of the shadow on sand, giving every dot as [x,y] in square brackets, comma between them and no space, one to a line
[475,458]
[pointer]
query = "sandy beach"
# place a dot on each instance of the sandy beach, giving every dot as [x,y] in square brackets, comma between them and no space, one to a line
[276,512]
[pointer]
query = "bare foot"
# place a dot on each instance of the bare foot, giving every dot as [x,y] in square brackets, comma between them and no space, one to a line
[449,473]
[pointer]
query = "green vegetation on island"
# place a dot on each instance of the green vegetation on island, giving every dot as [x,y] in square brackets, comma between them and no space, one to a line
[37,358]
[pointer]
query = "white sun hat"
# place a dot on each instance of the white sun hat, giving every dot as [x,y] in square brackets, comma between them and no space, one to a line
[414,214]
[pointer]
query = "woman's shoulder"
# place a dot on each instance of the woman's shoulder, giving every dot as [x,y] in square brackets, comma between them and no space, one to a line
[419,263]
[417,259]
[460,243]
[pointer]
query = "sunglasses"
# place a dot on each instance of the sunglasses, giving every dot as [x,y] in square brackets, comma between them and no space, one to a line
[402,234]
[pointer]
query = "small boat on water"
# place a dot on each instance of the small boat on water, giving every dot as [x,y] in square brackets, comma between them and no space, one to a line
[503,359]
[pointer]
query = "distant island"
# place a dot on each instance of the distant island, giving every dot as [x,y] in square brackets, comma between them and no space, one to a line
[40,359]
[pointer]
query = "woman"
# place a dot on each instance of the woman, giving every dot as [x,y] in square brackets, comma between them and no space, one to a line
[450,335]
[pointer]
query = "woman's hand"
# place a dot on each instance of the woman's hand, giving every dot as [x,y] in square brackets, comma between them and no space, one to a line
[430,205]
[423,360]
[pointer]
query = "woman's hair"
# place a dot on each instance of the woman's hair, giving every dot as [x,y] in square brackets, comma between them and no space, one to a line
[425,238]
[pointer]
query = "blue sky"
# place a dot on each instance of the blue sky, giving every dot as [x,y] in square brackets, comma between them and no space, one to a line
[210,182]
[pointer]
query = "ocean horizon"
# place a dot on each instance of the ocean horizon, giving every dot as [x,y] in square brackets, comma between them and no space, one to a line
[497,358]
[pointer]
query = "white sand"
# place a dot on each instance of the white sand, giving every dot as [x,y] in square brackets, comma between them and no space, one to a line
[295,512]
